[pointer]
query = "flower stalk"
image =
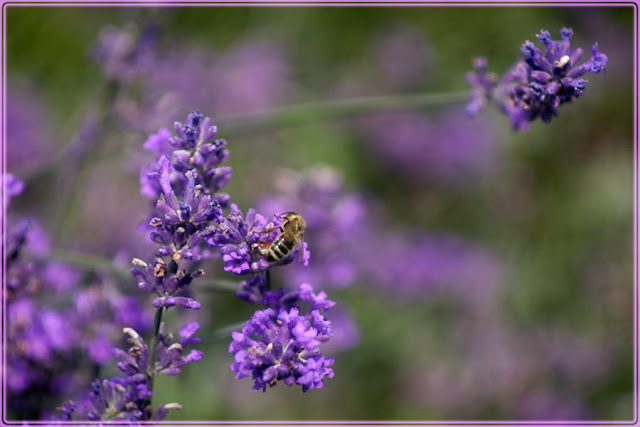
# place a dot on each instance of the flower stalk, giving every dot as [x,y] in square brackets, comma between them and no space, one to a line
[308,112]
[154,345]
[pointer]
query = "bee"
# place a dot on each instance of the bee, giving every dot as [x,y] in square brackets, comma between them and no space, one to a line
[291,237]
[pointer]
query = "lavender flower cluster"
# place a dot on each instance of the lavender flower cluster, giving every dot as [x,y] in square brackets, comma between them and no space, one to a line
[278,343]
[538,84]
[48,336]
[187,165]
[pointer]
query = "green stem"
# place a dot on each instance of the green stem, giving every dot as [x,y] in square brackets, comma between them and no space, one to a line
[224,332]
[219,285]
[85,160]
[301,113]
[154,344]
[267,286]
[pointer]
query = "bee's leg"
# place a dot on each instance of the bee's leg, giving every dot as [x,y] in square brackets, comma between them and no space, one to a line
[301,250]
[263,249]
[270,230]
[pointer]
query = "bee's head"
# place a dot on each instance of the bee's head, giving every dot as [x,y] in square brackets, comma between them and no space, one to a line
[296,219]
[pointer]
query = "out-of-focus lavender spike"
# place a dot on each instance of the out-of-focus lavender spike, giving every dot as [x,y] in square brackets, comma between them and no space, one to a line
[124,56]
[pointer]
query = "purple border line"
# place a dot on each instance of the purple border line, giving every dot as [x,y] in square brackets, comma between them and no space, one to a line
[4,210]
[636,213]
[635,217]
[363,3]
[316,3]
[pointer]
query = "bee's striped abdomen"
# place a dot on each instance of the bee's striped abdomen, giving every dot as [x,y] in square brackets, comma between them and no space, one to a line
[280,249]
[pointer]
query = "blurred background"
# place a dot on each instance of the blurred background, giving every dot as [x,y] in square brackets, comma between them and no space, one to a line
[479,273]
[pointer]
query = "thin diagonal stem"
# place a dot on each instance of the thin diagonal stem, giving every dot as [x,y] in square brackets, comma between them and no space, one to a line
[223,332]
[85,145]
[90,262]
[295,114]
[154,344]
[218,285]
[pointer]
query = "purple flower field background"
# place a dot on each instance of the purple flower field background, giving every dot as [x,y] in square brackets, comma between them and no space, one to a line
[468,250]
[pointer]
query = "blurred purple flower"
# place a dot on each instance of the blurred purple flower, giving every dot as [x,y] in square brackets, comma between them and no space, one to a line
[30,134]
[345,235]
[551,406]
[50,335]
[405,57]
[251,75]
[538,84]
[61,277]
[446,147]
[498,366]
[428,265]
[11,187]
[123,55]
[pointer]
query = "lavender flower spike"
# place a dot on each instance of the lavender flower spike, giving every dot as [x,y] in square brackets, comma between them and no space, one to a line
[539,83]
[194,147]
[169,357]
[286,349]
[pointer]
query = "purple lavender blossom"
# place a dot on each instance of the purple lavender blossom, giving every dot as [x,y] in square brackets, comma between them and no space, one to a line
[165,282]
[254,290]
[190,169]
[118,400]
[241,241]
[101,312]
[64,411]
[194,148]
[285,349]
[123,400]
[169,358]
[538,84]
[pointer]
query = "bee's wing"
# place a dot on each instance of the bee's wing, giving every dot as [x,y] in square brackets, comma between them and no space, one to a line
[301,250]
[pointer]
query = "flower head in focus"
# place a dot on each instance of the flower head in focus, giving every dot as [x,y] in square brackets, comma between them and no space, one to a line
[169,358]
[538,84]
[194,148]
[186,165]
[282,346]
